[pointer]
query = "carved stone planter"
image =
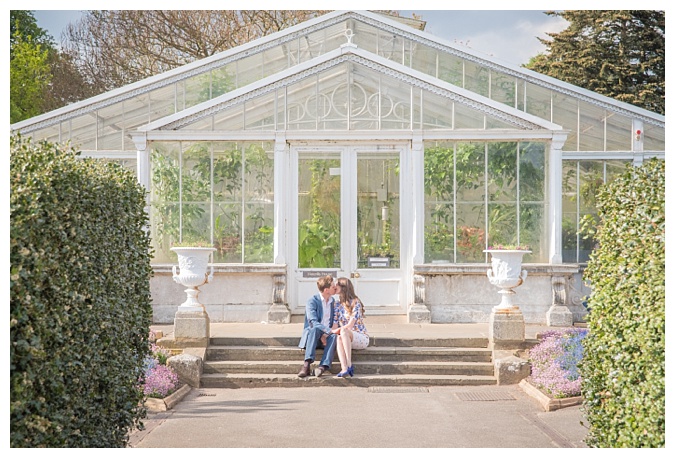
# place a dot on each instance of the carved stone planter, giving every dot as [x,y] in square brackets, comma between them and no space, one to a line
[193,263]
[506,274]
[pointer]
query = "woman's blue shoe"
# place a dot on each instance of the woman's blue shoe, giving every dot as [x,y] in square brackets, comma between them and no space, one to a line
[350,369]
[343,373]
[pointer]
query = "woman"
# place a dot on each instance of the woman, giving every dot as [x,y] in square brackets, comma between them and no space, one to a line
[352,333]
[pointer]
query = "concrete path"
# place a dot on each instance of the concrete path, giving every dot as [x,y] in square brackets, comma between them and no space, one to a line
[382,417]
[435,417]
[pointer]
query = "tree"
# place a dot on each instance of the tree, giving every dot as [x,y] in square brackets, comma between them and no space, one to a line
[620,54]
[29,74]
[114,48]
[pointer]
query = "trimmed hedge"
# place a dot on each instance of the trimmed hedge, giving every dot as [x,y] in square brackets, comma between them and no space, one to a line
[80,308]
[623,368]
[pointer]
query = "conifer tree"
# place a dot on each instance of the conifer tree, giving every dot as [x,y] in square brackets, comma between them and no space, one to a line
[620,54]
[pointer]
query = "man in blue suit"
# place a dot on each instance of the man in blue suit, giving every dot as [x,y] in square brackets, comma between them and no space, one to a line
[317,330]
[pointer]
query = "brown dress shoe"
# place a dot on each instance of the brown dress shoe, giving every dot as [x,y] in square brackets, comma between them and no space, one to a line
[304,372]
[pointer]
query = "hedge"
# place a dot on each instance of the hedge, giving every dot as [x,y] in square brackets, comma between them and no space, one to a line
[623,367]
[80,307]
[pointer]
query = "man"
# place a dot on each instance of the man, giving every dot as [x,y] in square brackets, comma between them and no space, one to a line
[317,330]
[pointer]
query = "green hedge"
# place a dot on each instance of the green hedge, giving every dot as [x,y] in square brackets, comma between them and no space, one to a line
[79,299]
[623,368]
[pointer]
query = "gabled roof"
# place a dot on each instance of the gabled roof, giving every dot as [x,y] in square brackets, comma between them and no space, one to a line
[295,43]
[350,53]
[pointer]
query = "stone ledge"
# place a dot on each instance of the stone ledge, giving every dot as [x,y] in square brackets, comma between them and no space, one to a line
[481,269]
[164,404]
[548,403]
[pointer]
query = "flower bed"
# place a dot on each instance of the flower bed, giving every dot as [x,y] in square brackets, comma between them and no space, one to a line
[160,381]
[554,362]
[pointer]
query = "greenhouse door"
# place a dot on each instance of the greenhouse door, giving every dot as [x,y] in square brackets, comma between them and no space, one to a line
[346,221]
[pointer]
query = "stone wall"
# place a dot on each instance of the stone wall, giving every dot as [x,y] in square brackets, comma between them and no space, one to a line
[242,294]
[463,294]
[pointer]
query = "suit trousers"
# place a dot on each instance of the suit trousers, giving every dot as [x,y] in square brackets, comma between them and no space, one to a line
[314,342]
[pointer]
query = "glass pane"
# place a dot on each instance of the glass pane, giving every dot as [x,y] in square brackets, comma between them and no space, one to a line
[570,214]
[471,232]
[502,172]
[425,59]
[319,210]
[196,191]
[436,111]
[591,127]
[110,128]
[438,202]
[565,114]
[502,224]
[654,138]
[538,101]
[259,206]
[468,118]
[332,100]
[222,80]
[615,168]
[532,172]
[227,232]
[378,215]
[83,132]
[533,231]
[197,89]
[162,102]
[164,197]
[476,78]
[364,99]
[503,88]
[249,70]
[618,132]
[451,69]
[259,113]
[470,172]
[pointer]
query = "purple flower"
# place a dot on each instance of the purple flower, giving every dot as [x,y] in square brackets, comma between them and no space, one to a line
[160,381]
[554,362]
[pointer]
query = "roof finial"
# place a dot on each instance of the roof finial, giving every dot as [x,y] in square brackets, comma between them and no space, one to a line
[349,34]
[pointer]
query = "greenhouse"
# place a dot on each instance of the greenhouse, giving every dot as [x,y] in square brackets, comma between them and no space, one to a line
[356,145]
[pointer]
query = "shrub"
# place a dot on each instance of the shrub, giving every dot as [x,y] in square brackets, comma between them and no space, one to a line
[554,362]
[79,299]
[623,369]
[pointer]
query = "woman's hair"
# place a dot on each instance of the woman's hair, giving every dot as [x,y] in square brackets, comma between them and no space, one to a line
[348,297]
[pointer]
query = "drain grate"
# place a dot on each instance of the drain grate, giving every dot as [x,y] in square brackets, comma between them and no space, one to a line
[397,389]
[484,396]
[199,395]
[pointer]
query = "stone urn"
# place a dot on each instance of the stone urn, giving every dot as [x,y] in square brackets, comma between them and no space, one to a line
[192,272]
[506,274]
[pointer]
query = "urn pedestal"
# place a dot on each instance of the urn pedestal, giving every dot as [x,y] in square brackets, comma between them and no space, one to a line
[506,325]
[192,325]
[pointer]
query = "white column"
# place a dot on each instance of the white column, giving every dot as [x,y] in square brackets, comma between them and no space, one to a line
[555,198]
[281,197]
[417,310]
[638,142]
[143,165]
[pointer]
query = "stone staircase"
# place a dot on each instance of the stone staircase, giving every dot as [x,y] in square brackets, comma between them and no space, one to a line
[249,362]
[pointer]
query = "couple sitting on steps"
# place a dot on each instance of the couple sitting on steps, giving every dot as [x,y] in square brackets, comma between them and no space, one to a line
[329,323]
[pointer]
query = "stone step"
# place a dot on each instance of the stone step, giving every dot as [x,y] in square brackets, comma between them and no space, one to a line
[363,367]
[292,380]
[462,342]
[442,354]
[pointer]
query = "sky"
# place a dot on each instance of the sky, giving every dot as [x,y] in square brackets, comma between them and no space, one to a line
[510,36]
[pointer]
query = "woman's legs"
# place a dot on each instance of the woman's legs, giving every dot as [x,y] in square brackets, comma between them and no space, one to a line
[341,353]
[347,338]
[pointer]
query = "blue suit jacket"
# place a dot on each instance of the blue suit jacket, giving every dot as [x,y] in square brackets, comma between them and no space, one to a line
[314,315]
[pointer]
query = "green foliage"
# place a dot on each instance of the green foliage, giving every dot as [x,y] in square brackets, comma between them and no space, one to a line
[29,77]
[620,54]
[80,305]
[623,369]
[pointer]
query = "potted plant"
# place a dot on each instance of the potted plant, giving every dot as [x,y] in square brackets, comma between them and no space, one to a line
[506,272]
[193,260]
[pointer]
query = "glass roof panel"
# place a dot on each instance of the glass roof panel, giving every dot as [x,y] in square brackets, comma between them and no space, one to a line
[466,118]
[503,88]
[538,101]
[618,132]
[476,78]
[591,127]
[110,129]
[654,138]
[83,131]
[566,113]
[259,113]
[436,112]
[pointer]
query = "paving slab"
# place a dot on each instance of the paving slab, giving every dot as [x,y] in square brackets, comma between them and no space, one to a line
[378,417]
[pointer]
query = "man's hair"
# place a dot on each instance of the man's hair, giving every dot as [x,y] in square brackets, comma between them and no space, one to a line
[324,282]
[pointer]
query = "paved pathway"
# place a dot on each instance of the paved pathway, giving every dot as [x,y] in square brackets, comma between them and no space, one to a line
[396,417]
